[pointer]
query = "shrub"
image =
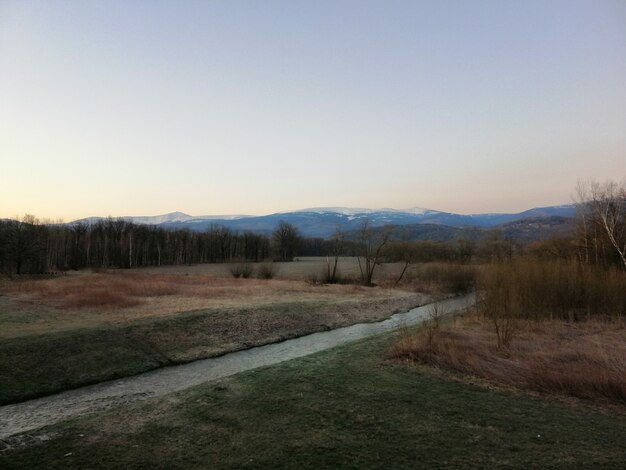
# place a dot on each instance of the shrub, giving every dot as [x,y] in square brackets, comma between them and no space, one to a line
[313,280]
[451,278]
[241,269]
[266,270]
[500,303]
[330,277]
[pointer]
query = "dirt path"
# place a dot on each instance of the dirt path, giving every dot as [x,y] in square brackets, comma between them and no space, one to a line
[34,414]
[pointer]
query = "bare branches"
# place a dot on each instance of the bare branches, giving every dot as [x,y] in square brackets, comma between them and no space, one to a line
[286,239]
[604,207]
[370,242]
[336,247]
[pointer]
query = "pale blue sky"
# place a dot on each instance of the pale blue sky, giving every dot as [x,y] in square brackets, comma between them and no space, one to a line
[221,107]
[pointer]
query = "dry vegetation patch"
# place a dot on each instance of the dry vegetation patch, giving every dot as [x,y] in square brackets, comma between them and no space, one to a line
[117,297]
[584,359]
[119,289]
[435,278]
[558,289]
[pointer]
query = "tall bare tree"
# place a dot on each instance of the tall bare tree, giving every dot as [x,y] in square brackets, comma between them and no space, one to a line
[604,206]
[286,239]
[336,247]
[370,244]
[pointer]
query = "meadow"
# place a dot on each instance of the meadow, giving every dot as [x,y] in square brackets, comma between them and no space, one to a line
[91,326]
[533,375]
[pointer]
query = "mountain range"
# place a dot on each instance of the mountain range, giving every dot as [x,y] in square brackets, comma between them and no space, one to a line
[324,221]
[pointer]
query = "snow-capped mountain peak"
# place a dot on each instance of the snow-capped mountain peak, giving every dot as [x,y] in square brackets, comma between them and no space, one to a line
[160,219]
[334,210]
[353,211]
[324,221]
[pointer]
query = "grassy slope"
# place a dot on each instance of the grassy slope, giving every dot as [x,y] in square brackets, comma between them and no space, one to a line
[37,365]
[340,408]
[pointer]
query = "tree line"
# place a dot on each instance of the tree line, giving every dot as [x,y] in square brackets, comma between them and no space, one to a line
[28,247]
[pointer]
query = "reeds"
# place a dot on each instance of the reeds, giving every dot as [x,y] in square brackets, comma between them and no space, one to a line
[532,289]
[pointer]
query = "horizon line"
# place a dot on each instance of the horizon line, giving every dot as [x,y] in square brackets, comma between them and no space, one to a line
[335,209]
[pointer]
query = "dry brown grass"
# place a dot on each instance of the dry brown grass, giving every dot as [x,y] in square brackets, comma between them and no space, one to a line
[584,360]
[120,289]
[119,297]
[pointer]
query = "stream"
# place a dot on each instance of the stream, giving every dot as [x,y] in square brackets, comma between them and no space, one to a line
[39,412]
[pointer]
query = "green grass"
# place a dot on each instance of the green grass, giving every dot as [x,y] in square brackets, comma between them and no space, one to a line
[343,408]
[36,365]
[40,365]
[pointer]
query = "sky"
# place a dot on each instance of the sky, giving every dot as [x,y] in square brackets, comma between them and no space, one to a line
[255,107]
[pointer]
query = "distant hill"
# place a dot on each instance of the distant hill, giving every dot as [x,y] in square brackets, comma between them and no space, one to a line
[423,232]
[524,230]
[536,228]
[323,222]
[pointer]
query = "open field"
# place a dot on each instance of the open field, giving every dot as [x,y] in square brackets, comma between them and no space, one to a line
[362,405]
[585,360]
[88,327]
[120,297]
[347,407]
[301,268]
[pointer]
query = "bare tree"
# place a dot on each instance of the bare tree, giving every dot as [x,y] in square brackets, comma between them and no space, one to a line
[370,243]
[401,252]
[336,246]
[581,212]
[286,239]
[605,205]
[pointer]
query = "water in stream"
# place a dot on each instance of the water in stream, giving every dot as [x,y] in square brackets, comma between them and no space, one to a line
[47,410]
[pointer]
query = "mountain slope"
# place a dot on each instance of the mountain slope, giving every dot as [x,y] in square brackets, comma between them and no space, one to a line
[323,222]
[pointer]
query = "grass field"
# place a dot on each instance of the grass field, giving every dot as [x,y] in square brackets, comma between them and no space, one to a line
[350,407]
[88,327]
[301,268]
